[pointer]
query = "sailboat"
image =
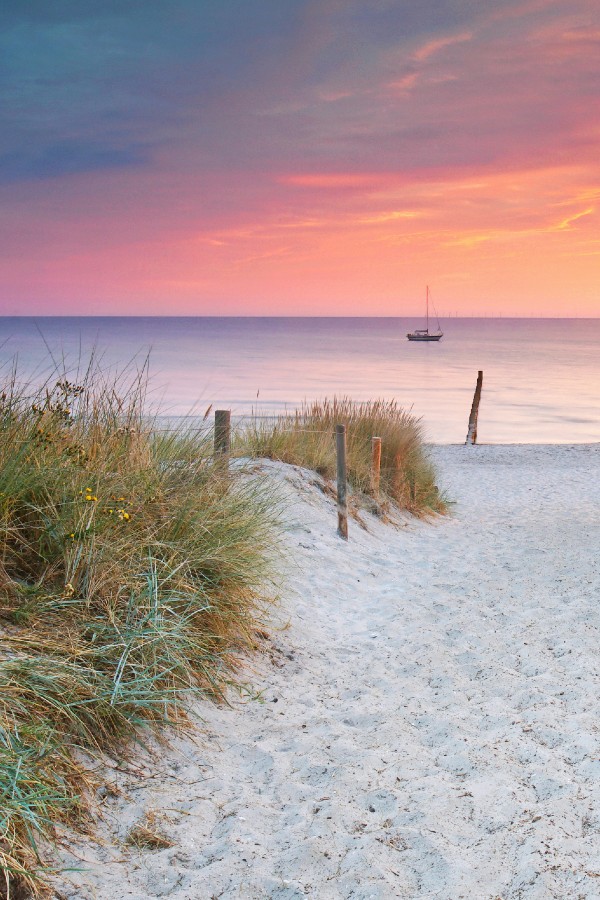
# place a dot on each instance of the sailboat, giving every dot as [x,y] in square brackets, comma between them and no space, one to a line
[423,334]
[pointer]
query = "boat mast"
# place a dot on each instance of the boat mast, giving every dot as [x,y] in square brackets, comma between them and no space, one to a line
[427,308]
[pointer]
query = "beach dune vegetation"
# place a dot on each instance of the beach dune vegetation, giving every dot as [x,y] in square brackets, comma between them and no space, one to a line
[133,569]
[132,575]
[306,438]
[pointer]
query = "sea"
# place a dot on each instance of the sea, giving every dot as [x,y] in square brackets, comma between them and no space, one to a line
[541,377]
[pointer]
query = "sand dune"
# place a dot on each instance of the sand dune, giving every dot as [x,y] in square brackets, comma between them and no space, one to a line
[428,719]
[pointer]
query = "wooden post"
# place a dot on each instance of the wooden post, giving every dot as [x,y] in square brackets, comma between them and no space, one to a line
[222,436]
[375,466]
[342,484]
[472,432]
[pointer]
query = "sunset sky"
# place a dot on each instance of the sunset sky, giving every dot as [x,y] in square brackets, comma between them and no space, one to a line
[299,157]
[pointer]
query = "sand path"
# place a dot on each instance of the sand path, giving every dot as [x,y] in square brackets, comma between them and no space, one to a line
[429,719]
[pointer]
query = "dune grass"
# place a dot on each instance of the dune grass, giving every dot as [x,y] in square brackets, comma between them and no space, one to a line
[306,438]
[131,577]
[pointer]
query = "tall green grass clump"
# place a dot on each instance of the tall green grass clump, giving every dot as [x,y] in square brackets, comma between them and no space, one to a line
[131,574]
[306,438]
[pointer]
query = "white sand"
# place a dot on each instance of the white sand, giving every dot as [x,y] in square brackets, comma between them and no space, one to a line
[429,724]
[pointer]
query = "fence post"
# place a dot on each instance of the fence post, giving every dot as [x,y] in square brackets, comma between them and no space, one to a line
[472,432]
[375,467]
[342,484]
[222,436]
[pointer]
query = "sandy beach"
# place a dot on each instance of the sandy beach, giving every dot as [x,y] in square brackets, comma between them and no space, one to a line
[423,722]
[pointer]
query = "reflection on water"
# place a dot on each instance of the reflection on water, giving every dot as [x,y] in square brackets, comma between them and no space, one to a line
[541,376]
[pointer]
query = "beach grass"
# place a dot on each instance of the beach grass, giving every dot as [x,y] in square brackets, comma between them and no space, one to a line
[307,438]
[132,574]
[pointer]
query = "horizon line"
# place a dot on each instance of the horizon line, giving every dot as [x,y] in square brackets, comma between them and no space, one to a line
[289,316]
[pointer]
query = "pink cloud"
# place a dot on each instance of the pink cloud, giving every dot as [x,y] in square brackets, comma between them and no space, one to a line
[433,47]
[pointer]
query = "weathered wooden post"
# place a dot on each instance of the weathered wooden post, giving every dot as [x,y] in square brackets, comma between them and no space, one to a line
[472,432]
[375,467]
[342,483]
[222,436]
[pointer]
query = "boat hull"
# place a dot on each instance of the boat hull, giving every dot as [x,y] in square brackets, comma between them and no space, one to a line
[424,337]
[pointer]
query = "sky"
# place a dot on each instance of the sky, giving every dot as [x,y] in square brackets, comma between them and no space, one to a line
[299,157]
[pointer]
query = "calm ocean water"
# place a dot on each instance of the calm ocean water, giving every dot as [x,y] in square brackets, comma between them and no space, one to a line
[541,376]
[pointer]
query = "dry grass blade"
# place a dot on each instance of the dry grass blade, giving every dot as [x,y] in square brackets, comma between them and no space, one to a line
[147,834]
